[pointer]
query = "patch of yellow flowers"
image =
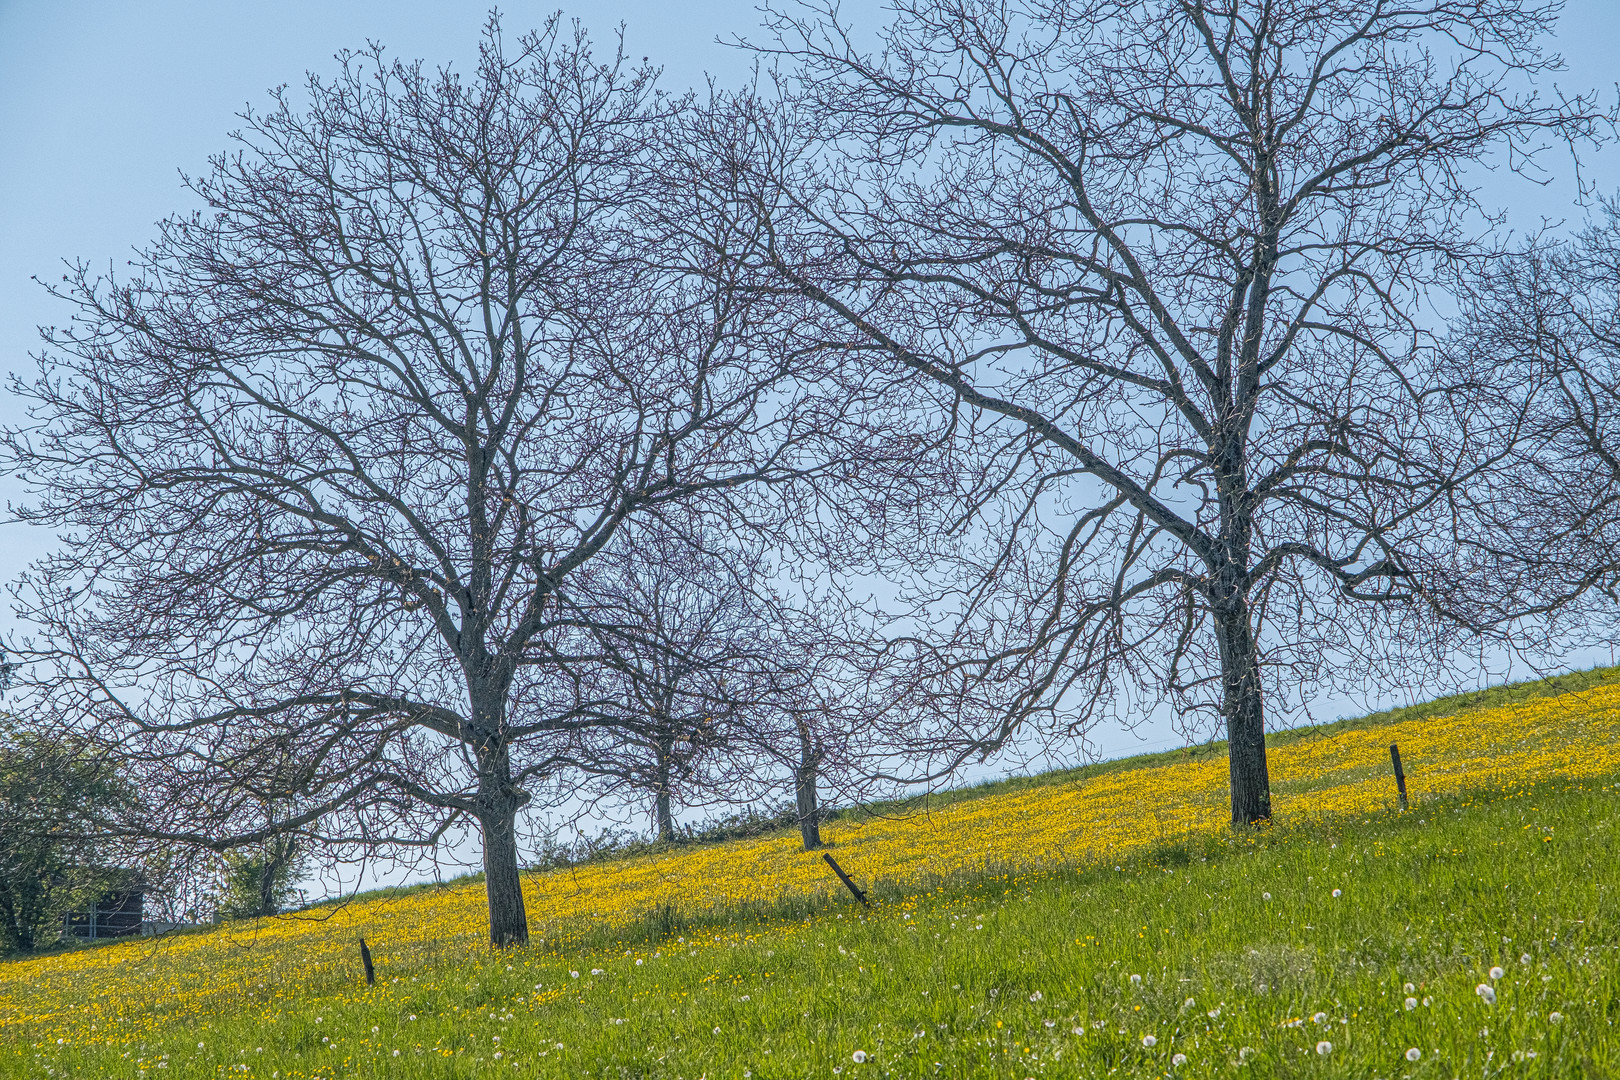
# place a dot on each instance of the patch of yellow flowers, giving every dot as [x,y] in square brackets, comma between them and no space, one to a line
[127,989]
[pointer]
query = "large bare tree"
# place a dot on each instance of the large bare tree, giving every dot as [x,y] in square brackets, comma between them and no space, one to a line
[1172,261]
[328,462]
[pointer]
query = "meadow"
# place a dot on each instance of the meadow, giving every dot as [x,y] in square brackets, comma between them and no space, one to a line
[1106,922]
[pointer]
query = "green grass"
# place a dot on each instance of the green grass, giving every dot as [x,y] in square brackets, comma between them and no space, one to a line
[992,975]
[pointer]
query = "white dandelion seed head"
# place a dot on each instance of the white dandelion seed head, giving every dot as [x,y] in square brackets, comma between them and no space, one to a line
[1411,1003]
[573,974]
[1525,958]
[1409,988]
[1213,1013]
[717,1031]
[1497,973]
[1324,1048]
[499,1055]
[1036,996]
[1149,1041]
[413,1016]
[1265,896]
[1413,1054]
[396,1053]
[1050,1023]
[1337,893]
[1245,1053]
[859,1057]
[1427,1001]
[1320,1018]
[639,961]
[1189,1003]
[374,1029]
[1556,1017]
[1136,980]
[596,971]
[1179,1059]
[1486,993]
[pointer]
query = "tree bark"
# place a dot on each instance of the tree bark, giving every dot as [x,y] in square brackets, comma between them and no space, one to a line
[1244,711]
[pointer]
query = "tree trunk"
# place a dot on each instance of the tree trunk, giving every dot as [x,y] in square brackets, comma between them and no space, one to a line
[508,919]
[499,801]
[804,791]
[665,819]
[1243,708]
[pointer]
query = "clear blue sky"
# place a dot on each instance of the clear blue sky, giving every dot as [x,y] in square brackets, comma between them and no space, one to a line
[103,102]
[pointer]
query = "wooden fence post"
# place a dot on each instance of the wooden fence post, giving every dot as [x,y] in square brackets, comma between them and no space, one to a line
[839,870]
[365,958]
[1400,775]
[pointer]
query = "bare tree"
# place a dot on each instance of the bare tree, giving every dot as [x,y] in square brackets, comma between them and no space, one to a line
[1549,316]
[1168,262]
[665,651]
[327,466]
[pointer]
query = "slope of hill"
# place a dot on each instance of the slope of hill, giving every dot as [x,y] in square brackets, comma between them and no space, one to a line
[1002,941]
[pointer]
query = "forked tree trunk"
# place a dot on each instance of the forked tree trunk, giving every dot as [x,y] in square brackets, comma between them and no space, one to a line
[508,919]
[1243,708]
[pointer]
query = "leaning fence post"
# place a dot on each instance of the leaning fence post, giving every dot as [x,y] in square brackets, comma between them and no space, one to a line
[1400,775]
[365,958]
[839,870]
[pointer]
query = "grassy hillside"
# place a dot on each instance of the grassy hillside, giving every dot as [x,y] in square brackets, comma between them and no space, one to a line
[1002,940]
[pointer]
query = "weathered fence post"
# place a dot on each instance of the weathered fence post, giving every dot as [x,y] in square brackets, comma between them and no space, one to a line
[1400,775]
[365,958]
[839,870]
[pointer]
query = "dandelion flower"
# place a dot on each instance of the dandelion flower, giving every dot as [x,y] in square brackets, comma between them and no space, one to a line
[1179,1059]
[1324,1048]
[1486,993]
[1413,1054]
[859,1056]
[1556,1017]
[1149,1041]
[1496,973]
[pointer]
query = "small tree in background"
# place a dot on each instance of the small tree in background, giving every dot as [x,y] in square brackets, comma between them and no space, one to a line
[56,794]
